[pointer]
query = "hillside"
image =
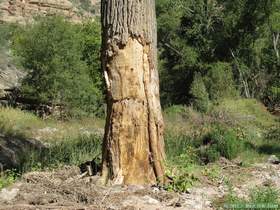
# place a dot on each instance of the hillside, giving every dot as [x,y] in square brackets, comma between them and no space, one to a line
[22,11]
[51,179]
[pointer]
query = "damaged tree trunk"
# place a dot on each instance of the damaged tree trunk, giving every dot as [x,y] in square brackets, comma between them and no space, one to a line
[133,146]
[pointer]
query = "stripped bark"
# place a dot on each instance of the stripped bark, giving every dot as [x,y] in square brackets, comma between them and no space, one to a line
[133,146]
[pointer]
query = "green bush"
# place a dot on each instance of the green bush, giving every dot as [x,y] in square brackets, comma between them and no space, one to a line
[209,154]
[220,143]
[273,94]
[199,93]
[219,81]
[55,54]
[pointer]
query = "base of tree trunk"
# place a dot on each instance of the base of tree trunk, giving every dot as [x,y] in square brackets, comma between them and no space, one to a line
[133,150]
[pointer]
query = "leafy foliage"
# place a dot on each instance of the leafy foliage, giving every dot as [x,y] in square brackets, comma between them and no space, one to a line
[220,143]
[220,83]
[8,178]
[232,44]
[60,64]
[199,94]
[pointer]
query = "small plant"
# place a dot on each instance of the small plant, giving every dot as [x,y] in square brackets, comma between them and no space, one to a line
[181,183]
[182,158]
[7,178]
[213,173]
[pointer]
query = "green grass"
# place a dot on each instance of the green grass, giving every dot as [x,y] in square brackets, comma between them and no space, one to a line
[8,178]
[259,198]
[247,131]
[70,151]
[15,122]
[184,136]
[248,113]
[71,143]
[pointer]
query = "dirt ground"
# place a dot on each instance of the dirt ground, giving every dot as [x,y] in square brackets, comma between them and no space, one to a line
[66,189]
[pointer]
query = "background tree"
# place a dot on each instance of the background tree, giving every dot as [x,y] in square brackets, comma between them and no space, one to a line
[236,39]
[133,149]
[60,68]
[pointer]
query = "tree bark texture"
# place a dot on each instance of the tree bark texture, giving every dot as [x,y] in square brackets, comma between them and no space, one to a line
[133,146]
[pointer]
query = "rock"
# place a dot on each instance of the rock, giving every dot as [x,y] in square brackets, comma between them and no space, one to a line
[140,201]
[12,149]
[8,195]
[273,159]
[175,202]
[23,11]
[148,200]
[10,76]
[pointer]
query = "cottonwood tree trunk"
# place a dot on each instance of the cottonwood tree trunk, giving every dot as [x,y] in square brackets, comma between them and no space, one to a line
[133,147]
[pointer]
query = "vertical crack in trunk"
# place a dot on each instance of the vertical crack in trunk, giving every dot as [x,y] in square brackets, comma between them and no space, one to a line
[133,147]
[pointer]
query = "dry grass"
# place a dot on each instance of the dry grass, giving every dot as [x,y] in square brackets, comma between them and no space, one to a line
[15,122]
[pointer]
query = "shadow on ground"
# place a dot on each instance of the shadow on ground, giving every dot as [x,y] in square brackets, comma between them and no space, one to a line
[270,149]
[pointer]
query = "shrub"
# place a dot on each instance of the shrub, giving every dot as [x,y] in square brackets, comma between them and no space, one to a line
[54,53]
[199,93]
[220,142]
[209,154]
[273,94]
[219,81]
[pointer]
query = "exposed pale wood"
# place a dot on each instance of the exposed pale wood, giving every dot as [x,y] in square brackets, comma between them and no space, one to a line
[133,149]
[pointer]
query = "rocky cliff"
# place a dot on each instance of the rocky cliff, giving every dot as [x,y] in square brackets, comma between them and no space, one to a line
[22,11]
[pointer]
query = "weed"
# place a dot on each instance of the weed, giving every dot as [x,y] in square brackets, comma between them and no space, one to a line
[7,178]
[213,173]
[181,183]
